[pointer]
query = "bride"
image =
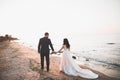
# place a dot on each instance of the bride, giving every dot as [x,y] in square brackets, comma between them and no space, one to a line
[69,67]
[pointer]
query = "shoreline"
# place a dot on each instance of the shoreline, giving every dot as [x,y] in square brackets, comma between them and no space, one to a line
[101,67]
[23,62]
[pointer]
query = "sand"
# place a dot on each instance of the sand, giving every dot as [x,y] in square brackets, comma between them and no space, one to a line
[20,62]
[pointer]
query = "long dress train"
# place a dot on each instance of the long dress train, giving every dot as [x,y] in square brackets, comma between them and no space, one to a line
[70,67]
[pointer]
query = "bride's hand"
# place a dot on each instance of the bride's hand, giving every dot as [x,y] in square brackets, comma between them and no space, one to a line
[59,51]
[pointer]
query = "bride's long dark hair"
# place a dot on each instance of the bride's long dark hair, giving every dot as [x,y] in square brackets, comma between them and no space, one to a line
[66,42]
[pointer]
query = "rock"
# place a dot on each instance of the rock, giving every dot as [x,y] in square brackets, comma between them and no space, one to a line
[73,57]
[7,37]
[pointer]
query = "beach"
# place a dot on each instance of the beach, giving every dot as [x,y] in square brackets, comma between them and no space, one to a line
[20,62]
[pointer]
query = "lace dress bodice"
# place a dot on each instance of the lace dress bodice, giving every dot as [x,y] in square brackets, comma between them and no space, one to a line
[66,49]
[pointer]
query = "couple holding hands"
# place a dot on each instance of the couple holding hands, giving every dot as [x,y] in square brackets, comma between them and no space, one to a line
[67,64]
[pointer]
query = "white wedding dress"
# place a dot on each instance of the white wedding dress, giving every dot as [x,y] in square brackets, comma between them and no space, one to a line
[70,67]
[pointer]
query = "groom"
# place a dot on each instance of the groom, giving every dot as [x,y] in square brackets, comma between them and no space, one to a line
[43,49]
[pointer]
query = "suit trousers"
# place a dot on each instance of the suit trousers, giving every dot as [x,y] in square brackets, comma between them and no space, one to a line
[47,60]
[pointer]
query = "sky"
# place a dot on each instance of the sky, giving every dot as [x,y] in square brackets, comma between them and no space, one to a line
[29,19]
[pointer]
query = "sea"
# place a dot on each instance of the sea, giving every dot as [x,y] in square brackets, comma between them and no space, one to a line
[102,56]
[99,52]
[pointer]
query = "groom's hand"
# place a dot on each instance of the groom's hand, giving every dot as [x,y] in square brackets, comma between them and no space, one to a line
[53,52]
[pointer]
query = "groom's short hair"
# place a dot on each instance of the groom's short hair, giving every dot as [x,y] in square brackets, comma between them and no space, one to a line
[46,33]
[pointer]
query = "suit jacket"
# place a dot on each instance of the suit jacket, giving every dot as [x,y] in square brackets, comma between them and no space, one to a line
[43,46]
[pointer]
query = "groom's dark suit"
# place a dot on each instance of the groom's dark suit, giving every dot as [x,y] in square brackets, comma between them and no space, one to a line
[43,49]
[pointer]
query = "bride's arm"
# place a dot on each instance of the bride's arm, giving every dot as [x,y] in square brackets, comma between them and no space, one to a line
[60,49]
